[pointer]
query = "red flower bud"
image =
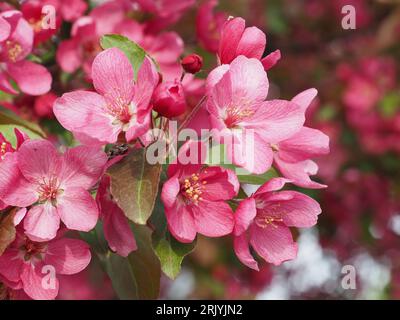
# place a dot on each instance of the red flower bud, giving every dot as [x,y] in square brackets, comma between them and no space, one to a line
[192,63]
[169,99]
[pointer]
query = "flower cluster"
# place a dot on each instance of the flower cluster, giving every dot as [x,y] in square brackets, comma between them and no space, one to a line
[118,83]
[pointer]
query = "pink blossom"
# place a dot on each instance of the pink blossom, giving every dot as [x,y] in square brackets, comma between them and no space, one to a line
[54,185]
[30,77]
[209,25]
[21,265]
[43,105]
[293,156]
[117,231]
[263,221]
[120,104]
[237,106]
[194,198]
[238,40]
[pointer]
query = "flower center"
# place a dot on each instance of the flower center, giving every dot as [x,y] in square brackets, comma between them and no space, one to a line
[192,188]
[32,249]
[14,49]
[234,115]
[120,110]
[49,190]
[3,150]
[269,216]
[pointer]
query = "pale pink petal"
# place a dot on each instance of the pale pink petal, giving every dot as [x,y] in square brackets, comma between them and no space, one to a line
[19,216]
[31,78]
[33,278]
[5,29]
[305,144]
[274,243]
[181,223]
[77,209]
[15,190]
[42,222]
[213,218]
[84,112]
[276,120]
[82,166]
[304,99]
[299,173]
[270,60]
[242,250]
[112,75]
[244,215]
[252,43]
[68,256]
[215,76]
[68,55]
[249,81]
[230,36]
[38,159]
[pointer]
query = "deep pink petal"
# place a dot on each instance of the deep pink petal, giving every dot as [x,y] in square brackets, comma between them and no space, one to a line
[272,185]
[270,60]
[11,265]
[68,256]
[242,249]
[181,223]
[170,191]
[213,218]
[244,215]
[219,183]
[68,55]
[31,78]
[274,243]
[230,36]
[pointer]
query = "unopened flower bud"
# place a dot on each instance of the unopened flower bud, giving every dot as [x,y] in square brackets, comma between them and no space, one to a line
[192,63]
[169,99]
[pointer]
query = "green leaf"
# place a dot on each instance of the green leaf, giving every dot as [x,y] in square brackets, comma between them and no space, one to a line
[170,251]
[138,276]
[9,121]
[132,50]
[134,185]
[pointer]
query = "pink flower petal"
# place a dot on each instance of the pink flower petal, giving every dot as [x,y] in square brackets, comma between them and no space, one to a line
[82,166]
[5,29]
[84,112]
[305,144]
[38,160]
[68,256]
[11,265]
[272,185]
[220,184]
[274,243]
[181,223]
[68,55]
[32,78]
[252,43]
[112,75]
[242,250]
[33,278]
[77,209]
[230,36]
[213,218]
[270,60]
[15,190]
[244,215]
[304,99]
[42,222]
[170,191]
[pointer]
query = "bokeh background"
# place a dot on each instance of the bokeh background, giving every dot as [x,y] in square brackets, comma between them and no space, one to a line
[356,72]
